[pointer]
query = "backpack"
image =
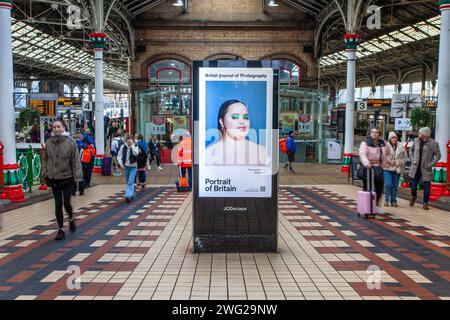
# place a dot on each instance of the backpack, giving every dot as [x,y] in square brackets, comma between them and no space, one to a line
[91,150]
[85,155]
[116,151]
[141,158]
[283,145]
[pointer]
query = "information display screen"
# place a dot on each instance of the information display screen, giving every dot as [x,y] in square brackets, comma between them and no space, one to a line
[69,102]
[235,109]
[235,144]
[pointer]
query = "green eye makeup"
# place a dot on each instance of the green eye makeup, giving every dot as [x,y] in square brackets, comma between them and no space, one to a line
[236,116]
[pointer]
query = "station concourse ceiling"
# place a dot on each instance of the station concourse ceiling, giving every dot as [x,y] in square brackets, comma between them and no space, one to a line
[44,47]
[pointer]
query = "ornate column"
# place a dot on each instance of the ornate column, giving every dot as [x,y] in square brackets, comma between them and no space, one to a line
[98,40]
[439,185]
[351,43]
[12,188]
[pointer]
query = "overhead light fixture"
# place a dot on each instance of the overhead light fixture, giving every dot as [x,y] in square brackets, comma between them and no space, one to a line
[178,3]
[273,3]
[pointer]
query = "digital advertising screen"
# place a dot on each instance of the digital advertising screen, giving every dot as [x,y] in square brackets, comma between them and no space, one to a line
[235,132]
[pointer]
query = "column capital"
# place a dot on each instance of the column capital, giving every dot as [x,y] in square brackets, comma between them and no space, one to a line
[444,5]
[352,40]
[98,40]
[6,4]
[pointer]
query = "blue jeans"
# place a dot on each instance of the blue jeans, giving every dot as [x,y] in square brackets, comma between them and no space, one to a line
[426,187]
[391,181]
[130,175]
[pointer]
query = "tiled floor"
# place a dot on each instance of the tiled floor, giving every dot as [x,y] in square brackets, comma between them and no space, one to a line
[144,251]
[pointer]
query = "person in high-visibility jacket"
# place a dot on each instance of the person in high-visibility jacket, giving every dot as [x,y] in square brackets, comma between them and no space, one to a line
[184,158]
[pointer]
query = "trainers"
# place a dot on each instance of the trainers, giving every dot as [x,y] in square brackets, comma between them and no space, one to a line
[72,225]
[386,204]
[149,168]
[159,168]
[425,206]
[395,205]
[412,202]
[60,235]
[81,193]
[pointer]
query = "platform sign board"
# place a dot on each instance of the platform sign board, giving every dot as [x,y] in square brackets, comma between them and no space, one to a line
[403,124]
[400,101]
[87,106]
[69,103]
[235,157]
[361,105]
[44,103]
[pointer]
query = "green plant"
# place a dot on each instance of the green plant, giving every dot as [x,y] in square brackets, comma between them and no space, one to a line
[28,117]
[421,117]
[362,124]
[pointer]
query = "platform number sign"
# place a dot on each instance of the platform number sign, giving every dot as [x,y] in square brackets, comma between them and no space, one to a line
[87,106]
[361,105]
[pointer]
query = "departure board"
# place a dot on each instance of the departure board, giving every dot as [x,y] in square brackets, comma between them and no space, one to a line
[46,108]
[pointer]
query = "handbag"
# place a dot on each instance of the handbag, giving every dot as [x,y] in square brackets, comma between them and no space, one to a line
[362,172]
[378,171]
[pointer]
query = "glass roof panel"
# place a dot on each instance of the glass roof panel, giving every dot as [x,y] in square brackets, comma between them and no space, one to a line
[28,42]
[419,31]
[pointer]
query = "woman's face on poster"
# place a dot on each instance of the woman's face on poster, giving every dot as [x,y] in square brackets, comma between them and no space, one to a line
[236,122]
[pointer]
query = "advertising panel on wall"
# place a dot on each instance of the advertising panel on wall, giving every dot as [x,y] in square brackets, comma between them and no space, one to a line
[288,122]
[158,125]
[235,162]
[180,122]
[235,106]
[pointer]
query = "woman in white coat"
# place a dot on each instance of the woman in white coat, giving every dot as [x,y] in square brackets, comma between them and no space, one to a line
[393,168]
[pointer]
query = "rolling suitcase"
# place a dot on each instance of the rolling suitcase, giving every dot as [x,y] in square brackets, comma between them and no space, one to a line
[181,182]
[366,201]
[106,166]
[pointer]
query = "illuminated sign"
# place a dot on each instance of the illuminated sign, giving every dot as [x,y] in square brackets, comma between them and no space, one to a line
[69,102]
[44,103]
[432,104]
[379,103]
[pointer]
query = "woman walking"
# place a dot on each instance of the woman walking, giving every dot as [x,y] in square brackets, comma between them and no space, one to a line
[61,168]
[373,154]
[154,147]
[393,168]
[142,163]
[127,160]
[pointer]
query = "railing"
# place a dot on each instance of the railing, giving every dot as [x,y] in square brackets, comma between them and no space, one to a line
[30,162]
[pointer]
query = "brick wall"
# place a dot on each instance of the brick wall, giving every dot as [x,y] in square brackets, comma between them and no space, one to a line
[211,27]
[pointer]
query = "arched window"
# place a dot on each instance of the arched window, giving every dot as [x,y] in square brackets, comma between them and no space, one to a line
[169,72]
[290,72]
[223,56]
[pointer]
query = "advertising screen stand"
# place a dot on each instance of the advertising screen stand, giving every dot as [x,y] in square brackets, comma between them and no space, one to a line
[235,137]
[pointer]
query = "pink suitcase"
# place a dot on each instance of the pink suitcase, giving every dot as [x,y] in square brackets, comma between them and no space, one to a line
[366,201]
[363,206]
